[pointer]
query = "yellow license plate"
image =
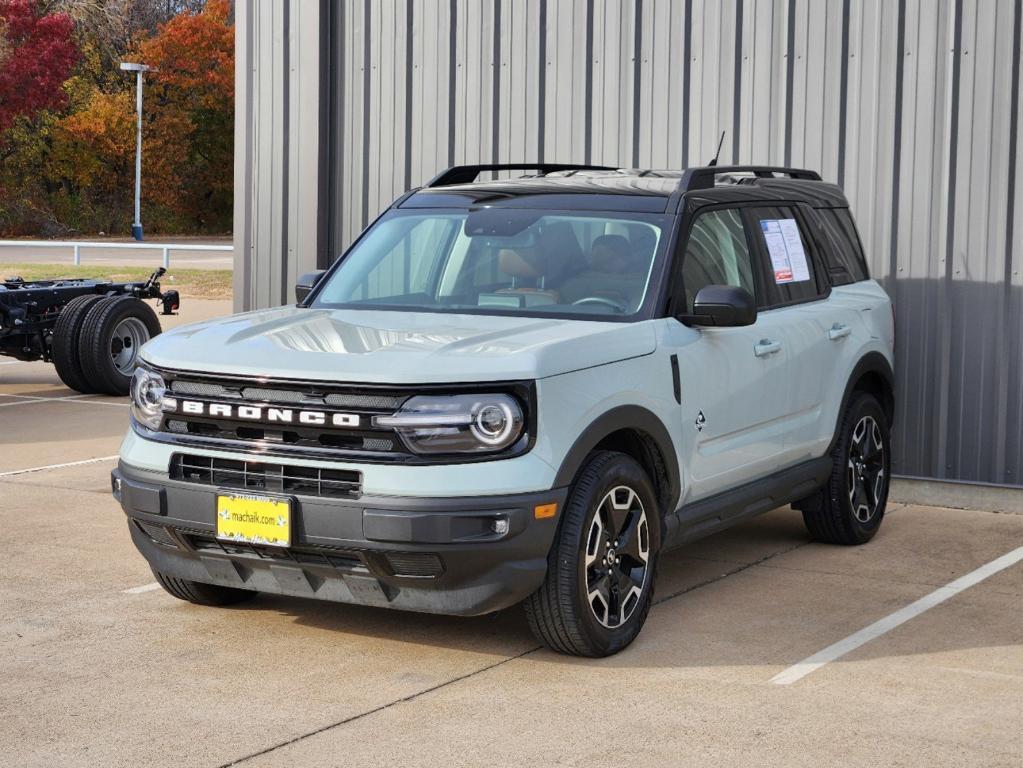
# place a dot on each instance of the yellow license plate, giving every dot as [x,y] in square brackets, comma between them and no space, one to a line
[254,519]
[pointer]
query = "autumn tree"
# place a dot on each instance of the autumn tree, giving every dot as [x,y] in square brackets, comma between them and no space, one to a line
[37,54]
[69,167]
[193,100]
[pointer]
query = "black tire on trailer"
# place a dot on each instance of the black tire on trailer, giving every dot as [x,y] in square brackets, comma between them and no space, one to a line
[201,594]
[850,508]
[112,334]
[601,568]
[64,349]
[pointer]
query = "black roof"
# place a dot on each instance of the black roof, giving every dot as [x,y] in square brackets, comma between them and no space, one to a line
[653,191]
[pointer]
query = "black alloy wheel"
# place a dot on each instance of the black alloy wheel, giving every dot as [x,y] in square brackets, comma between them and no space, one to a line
[617,562]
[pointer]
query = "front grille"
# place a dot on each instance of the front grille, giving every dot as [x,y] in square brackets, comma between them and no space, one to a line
[157,533]
[415,564]
[200,388]
[261,476]
[366,440]
[329,557]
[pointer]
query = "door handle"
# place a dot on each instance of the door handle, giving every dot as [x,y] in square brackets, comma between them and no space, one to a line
[839,331]
[766,347]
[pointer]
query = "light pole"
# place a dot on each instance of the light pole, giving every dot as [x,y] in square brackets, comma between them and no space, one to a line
[139,70]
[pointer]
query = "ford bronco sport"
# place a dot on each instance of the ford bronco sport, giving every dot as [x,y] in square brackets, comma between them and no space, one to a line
[524,389]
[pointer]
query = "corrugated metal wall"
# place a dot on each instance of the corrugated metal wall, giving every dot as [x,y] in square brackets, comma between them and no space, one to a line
[912,105]
[278,157]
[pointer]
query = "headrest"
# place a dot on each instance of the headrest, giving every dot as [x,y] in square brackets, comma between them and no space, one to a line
[610,253]
[514,263]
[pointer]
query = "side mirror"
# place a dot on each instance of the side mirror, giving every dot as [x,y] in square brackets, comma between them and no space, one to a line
[306,283]
[722,306]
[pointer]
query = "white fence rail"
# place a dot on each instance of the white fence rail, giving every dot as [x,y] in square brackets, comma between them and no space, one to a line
[77,246]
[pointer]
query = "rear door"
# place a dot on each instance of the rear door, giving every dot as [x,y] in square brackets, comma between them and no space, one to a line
[734,381]
[797,295]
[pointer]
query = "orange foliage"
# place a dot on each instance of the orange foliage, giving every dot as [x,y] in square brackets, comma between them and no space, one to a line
[195,54]
[76,167]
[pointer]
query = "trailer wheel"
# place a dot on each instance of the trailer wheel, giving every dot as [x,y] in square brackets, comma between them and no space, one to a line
[66,334]
[112,335]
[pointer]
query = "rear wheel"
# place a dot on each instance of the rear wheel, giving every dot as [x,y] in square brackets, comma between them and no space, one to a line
[600,576]
[66,335]
[201,594]
[850,508]
[112,335]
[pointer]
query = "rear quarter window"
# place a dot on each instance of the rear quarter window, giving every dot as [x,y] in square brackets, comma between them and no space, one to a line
[842,253]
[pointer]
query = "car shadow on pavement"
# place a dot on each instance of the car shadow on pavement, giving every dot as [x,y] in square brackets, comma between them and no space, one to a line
[759,594]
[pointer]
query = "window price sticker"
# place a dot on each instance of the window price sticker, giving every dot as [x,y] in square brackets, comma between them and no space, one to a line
[788,257]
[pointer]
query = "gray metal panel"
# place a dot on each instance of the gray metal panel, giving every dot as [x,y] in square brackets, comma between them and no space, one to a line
[912,105]
[277,150]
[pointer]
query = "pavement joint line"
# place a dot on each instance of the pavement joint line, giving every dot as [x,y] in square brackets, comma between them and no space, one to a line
[139,590]
[885,625]
[381,708]
[466,676]
[864,576]
[731,572]
[96,460]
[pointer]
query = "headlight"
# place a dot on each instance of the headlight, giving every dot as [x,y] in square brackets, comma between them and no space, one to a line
[457,423]
[147,397]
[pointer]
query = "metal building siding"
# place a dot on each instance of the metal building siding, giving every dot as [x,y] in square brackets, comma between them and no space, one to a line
[277,149]
[912,105]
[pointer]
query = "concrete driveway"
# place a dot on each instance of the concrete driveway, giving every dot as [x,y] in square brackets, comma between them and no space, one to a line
[98,667]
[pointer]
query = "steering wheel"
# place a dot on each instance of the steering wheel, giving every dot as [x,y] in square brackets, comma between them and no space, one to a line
[615,305]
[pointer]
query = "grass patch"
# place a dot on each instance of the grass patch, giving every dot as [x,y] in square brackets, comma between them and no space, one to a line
[194,283]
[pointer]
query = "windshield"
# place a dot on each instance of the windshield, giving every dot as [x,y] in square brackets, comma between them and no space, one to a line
[501,261]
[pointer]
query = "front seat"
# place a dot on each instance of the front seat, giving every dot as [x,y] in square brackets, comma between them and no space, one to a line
[610,275]
[527,270]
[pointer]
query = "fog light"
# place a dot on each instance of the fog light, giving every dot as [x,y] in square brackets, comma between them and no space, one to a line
[500,526]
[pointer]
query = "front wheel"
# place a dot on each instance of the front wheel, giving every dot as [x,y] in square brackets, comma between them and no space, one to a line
[850,508]
[600,576]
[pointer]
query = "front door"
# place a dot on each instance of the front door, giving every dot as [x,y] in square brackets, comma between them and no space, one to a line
[735,381]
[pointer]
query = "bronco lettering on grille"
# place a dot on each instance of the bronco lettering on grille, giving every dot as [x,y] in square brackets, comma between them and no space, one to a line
[260,413]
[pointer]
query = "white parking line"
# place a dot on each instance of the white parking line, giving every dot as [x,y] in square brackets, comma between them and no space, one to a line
[58,466]
[31,399]
[140,590]
[890,622]
[82,399]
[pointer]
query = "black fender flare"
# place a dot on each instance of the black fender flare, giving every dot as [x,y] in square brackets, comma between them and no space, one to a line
[632,417]
[872,362]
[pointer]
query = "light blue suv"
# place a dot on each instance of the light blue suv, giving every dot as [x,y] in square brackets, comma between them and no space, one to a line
[524,389]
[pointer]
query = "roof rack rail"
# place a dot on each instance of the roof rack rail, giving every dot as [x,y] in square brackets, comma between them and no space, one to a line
[466,174]
[703,178]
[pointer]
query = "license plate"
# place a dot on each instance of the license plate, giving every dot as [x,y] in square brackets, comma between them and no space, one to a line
[254,519]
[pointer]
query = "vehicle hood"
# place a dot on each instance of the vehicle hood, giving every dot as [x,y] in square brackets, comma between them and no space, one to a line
[388,347]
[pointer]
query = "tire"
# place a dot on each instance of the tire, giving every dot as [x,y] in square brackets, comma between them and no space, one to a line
[66,335]
[562,614]
[202,594]
[108,362]
[850,508]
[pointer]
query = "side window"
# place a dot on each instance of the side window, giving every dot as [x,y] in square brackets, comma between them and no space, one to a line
[717,253]
[789,274]
[844,256]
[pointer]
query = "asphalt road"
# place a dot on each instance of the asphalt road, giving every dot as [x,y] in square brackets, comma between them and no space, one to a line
[127,257]
[99,668]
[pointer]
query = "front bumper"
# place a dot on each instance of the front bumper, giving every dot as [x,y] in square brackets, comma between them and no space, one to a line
[438,555]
